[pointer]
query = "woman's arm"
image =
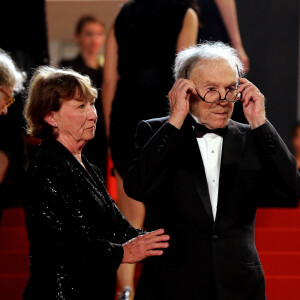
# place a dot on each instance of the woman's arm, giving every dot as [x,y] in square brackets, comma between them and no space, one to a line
[228,12]
[189,30]
[110,76]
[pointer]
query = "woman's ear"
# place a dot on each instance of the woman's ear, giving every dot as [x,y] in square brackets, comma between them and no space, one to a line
[50,119]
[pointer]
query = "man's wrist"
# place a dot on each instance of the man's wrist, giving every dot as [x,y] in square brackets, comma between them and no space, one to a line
[177,121]
[257,123]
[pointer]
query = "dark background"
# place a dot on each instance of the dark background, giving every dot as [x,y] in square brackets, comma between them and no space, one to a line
[270,33]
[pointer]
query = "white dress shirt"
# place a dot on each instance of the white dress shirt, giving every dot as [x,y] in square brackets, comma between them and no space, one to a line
[210,146]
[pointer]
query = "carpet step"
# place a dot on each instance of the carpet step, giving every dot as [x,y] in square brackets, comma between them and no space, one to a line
[278,217]
[280,263]
[283,287]
[277,239]
[14,262]
[12,286]
[14,217]
[13,238]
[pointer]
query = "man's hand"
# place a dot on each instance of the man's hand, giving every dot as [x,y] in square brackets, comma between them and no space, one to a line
[253,103]
[179,97]
[145,245]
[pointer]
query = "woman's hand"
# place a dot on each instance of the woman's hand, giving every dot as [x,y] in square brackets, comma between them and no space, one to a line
[146,245]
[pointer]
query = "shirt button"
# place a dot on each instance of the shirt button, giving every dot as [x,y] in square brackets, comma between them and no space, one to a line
[215,237]
[212,151]
[213,180]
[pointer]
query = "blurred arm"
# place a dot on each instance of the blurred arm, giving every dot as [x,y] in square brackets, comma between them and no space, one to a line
[189,30]
[227,9]
[110,76]
[4,163]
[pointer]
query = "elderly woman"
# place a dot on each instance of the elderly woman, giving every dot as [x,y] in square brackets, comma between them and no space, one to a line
[78,237]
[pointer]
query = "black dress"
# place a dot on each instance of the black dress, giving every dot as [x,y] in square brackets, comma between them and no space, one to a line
[96,149]
[212,26]
[74,228]
[146,33]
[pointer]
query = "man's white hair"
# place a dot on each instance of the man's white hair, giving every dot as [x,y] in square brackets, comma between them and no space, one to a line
[187,59]
[10,75]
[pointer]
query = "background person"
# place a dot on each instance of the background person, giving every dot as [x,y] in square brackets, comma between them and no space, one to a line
[139,55]
[78,237]
[202,177]
[219,22]
[90,36]
[11,81]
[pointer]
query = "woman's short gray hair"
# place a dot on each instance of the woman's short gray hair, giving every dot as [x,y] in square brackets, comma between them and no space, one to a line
[10,75]
[187,59]
[48,89]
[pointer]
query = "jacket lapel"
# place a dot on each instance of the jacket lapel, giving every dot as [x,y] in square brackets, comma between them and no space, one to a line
[233,145]
[196,167]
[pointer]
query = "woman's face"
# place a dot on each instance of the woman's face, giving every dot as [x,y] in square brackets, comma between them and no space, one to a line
[75,122]
[296,141]
[91,38]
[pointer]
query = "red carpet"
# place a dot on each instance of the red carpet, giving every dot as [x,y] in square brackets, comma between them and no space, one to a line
[277,240]
[278,244]
[14,260]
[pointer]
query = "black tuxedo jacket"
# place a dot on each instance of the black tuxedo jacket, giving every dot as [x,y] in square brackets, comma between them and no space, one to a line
[207,259]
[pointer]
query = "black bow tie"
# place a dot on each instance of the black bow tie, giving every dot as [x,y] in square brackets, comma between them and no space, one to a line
[200,130]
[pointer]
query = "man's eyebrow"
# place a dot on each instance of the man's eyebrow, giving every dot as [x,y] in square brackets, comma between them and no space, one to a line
[232,83]
[208,82]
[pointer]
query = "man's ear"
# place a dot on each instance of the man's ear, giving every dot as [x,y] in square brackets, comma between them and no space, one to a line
[50,119]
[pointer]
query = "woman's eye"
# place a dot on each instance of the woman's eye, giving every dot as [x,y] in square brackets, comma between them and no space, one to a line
[93,104]
[81,106]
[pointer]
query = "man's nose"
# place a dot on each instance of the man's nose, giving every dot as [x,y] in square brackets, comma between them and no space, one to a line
[222,94]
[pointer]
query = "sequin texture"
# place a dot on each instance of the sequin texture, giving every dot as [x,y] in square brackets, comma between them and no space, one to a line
[74,228]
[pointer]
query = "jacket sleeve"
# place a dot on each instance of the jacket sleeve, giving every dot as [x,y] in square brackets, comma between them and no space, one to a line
[153,151]
[279,165]
[126,231]
[51,220]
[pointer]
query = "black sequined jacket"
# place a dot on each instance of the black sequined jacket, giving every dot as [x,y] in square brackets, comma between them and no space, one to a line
[74,228]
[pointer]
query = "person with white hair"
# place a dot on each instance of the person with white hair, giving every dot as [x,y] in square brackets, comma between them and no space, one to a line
[11,80]
[202,176]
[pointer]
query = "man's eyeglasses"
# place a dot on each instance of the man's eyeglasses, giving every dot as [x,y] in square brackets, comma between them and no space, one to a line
[213,96]
[8,99]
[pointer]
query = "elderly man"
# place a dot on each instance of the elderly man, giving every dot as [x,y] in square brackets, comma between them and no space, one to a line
[202,176]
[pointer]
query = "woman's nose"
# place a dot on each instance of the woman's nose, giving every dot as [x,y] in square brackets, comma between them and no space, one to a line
[92,113]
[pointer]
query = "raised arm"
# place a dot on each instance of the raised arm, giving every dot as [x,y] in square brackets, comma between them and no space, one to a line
[110,76]
[279,164]
[227,9]
[155,143]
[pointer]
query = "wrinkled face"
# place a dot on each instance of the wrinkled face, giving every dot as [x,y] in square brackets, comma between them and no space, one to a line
[216,75]
[91,38]
[296,141]
[76,121]
[5,96]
